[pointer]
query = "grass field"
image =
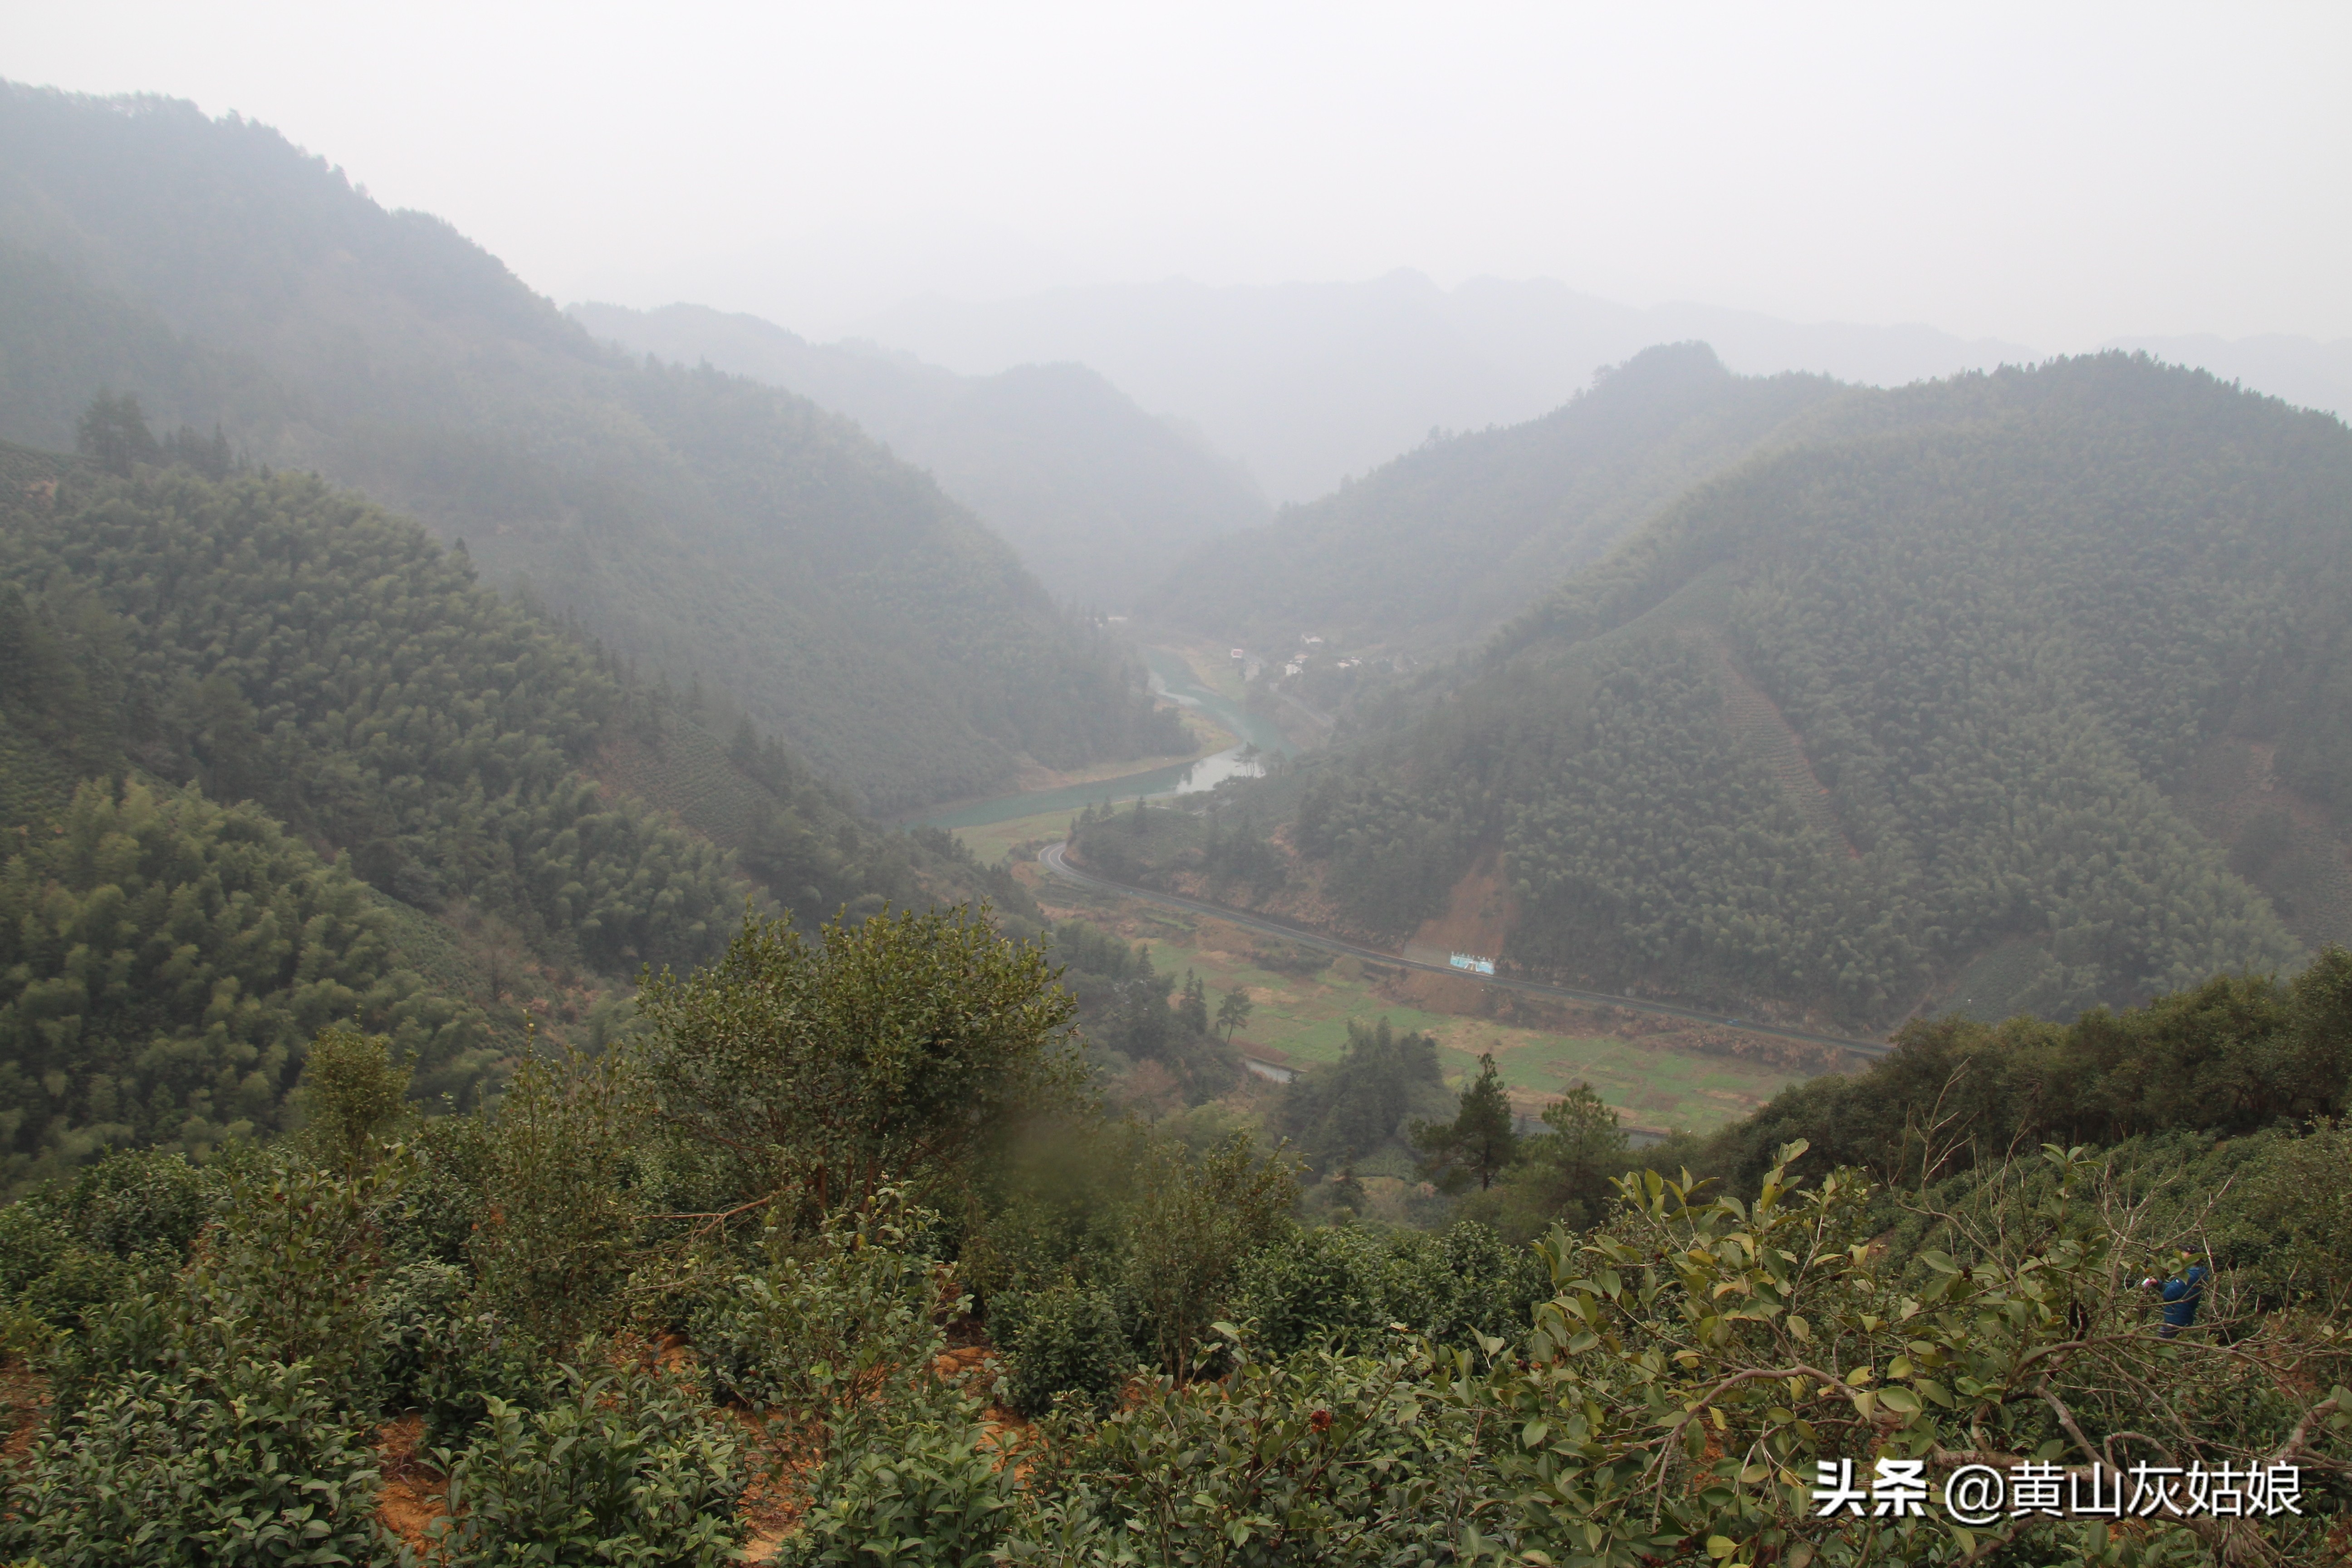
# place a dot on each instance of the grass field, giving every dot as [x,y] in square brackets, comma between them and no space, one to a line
[992,841]
[1213,667]
[1302,1018]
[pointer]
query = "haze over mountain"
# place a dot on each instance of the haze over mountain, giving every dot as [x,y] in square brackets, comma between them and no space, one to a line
[1098,497]
[1312,382]
[272,759]
[702,524]
[2304,371]
[1440,546]
[2025,691]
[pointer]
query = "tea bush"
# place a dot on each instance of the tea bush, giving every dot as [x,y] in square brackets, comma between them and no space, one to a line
[1346,1286]
[249,1463]
[1318,1458]
[1067,1338]
[622,1466]
[935,1495]
[821,1334]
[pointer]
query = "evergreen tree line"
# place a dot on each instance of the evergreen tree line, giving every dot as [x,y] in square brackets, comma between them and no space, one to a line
[269,640]
[2237,1056]
[1154,846]
[1134,1014]
[164,962]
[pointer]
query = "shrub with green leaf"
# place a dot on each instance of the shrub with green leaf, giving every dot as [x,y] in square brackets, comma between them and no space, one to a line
[1701,1358]
[242,1462]
[1065,1339]
[286,1276]
[832,1332]
[1318,1459]
[1348,1286]
[1197,1218]
[555,1239]
[894,1046]
[622,1466]
[934,1493]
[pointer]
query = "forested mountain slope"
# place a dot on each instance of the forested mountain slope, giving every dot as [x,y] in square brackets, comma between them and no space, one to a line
[271,758]
[696,521]
[1441,545]
[2017,691]
[1098,497]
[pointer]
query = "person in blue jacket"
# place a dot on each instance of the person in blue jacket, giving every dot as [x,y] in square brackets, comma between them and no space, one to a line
[2181,1295]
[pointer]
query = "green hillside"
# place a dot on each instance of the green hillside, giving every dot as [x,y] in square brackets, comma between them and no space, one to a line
[446,810]
[1098,497]
[165,961]
[2016,693]
[697,523]
[274,640]
[1441,545]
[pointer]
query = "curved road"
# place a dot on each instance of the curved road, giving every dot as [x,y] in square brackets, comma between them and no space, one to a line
[1051,857]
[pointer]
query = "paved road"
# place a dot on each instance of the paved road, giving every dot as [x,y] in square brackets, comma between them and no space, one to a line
[1052,859]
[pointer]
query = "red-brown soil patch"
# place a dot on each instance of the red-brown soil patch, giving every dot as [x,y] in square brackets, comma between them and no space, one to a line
[26,1393]
[415,1494]
[1477,916]
[773,1503]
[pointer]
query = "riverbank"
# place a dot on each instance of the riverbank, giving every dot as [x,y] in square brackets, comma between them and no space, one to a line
[1175,679]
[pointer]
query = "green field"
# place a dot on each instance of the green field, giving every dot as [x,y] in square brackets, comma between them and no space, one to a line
[1304,1017]
[991,841]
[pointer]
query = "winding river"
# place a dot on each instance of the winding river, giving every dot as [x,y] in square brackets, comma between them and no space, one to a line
[1172,679]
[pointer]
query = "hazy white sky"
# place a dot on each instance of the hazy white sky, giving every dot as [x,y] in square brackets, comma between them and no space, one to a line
[2052,174]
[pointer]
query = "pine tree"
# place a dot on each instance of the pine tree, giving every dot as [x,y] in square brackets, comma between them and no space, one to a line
[1233,1012]
[1478,1142]
[113,434]
[1194,1008]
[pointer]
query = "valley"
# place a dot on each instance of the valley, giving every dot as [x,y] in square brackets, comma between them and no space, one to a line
[1677,1072]
[1238,738]
[1662,1066]
[628,935]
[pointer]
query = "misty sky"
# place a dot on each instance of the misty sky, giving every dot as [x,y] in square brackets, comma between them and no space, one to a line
[2052,174]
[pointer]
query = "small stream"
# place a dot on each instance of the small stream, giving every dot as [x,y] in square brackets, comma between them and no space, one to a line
[1170,677]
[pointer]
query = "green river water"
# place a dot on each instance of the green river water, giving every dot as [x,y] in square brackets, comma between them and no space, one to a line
[1172,679]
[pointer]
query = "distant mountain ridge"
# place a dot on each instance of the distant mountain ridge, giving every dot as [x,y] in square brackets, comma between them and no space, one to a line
[699,523]
[1309,383]
[2304,371]
[1440,546]
[1098,497]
